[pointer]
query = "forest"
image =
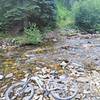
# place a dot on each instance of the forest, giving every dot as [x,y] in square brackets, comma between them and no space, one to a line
[49,49]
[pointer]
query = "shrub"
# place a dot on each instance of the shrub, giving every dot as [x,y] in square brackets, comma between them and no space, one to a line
[87,15]
[33,35]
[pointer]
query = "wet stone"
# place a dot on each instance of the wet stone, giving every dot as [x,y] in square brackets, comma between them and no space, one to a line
[54,40]
[80,70]
[36,97]
[24,80]
[97,68]
[27,90]
[30,55]
[3,98]
[1,77]
[83,79]
[9,75]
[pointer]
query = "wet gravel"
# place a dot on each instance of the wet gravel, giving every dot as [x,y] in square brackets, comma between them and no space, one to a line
[82,52]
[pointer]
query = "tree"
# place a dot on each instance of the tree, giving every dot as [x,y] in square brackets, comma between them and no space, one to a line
[17,14]
[69,3]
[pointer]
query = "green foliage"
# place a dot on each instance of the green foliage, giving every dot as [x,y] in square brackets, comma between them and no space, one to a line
[64,16]
[17,14]
[8,12]
[33,34]
[87,15]
[69,3]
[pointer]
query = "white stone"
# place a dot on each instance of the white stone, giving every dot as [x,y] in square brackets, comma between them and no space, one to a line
[63,64]
[41,97]
[36,97]
[54,40]
[63,77]
[27,90]
[1,77]
[9,75]
[24,80]
[98,68]
[83,79]
[3,98]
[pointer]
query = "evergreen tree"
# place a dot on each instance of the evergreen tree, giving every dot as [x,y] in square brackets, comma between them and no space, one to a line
[17,14]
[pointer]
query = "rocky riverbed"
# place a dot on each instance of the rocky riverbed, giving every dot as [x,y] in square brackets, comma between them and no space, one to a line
[81,52]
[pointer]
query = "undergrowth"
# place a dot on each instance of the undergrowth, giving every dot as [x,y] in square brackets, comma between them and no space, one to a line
[64,16]
[32,35]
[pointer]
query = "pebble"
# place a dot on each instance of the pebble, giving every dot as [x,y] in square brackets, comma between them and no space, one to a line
[41,97]
[9,75]
[24,80]
[63,77]
[30,55]
[98,68]
[36,97]
[80,70]
[1,77]
[77,97]
[54,40]
[87,92]
[76,65]
[3,98]
[83,79]
[82,74]
[27,90]
[2,94]
[37,68]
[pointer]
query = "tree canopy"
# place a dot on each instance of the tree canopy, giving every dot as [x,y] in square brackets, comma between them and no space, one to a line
[21,13]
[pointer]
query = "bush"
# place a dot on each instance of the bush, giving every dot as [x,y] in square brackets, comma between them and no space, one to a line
[87,15]
[31,35]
